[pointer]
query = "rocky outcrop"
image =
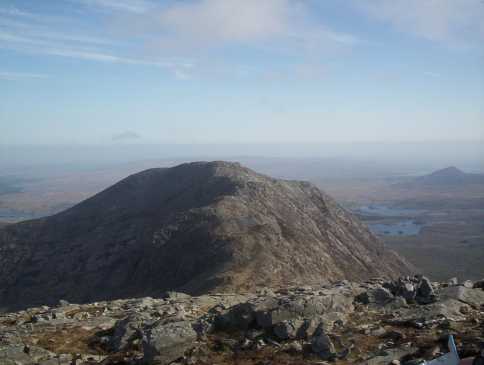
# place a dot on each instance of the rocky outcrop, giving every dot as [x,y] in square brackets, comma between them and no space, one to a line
[195,228]
[164,343]
[472,297]
[294,325]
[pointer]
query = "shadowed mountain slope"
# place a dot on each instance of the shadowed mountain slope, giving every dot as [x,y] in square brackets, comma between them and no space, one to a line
[197,227]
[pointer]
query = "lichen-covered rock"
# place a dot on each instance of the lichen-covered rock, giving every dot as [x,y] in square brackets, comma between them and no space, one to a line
[165,343]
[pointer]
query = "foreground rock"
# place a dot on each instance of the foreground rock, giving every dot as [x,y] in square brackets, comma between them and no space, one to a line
[165,343]
[376,322]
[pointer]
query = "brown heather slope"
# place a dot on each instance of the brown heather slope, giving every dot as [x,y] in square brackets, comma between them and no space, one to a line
[197,227]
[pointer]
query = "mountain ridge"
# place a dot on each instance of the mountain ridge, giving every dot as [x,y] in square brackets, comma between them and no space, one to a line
[196,227]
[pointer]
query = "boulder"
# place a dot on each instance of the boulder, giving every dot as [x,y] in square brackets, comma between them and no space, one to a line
[468,284]
[453,281]
[406,289]
[305,307]
[472,297]
[479,284]
[267,312]
[63,303]
[165,343]
[377,296]
[176,296]
[322,345]
[386,357]
[448,309]
[289,329]
[425,292]
[239,317]
[127,330]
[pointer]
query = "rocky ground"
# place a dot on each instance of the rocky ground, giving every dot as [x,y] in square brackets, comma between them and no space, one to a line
[376,322]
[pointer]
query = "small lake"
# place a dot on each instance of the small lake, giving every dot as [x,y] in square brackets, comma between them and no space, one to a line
[10,215]
[385,211]
[403,228]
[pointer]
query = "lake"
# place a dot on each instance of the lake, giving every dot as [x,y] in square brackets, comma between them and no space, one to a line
[403,228]
[11,215]
[385,211]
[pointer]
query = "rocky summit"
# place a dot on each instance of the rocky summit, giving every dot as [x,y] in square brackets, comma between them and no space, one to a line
[196,228]
[377,322]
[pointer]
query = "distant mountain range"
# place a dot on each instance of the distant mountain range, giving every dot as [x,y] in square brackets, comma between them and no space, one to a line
[196,227]
[450,177]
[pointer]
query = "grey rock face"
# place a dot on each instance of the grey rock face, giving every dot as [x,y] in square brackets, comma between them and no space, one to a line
[472,297]
[128,330]
[448,309]
[194,228]
[425,291]
[321,344]
[391,356]
[468,284]
[377,296]
[479,284]
[165,343]
[290,329]
[289,309]
[453,281]
[413,289]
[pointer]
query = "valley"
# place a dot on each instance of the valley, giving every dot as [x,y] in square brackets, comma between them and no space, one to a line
[438,228]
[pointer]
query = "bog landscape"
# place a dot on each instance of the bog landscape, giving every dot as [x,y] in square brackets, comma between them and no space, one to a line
[241,182]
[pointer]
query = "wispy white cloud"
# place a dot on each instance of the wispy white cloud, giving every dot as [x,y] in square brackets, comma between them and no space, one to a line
[147,33]
[43,32]
[132,6]
[47,37]
[214,23]
[449,21]
[109,58]
[89,55]
[36,18]
[17,76]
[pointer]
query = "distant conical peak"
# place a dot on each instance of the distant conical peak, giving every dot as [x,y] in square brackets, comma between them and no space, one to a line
[449,171]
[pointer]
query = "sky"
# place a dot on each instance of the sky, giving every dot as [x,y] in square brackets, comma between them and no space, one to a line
[240,71]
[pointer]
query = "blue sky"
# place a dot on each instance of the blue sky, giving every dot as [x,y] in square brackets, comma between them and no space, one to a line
[240,71]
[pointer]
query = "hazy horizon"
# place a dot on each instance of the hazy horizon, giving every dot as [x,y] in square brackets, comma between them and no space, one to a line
[398,157]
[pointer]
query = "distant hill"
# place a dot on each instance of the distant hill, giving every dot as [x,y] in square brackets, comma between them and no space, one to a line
[450,177]
[196,228]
